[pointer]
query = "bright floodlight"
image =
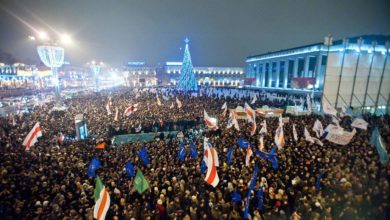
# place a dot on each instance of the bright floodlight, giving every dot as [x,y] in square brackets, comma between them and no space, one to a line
[66,39]
[31,37]
[43,35]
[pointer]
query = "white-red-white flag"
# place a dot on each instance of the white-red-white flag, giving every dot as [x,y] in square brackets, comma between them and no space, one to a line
[211,123]
[279,137]
[254,126]
[207,146]
[261,140]
[248,156]
[131,109]
[32,136]
[250,112]
[211,175]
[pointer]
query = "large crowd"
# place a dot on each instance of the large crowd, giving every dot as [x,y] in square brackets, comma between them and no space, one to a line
[50,180]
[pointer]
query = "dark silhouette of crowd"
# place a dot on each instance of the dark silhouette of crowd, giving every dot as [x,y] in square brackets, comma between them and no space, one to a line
[50,180]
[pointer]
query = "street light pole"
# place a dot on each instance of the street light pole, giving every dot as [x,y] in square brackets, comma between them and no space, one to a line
[52,55]
[95,68]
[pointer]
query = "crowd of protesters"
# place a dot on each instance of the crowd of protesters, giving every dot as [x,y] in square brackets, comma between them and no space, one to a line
[50,180]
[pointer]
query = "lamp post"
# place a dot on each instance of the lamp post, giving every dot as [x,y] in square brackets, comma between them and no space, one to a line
[95,68]
[52,55]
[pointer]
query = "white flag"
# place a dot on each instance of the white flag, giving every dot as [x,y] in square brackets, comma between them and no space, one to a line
[116,114]
[254,99]
[172,106]
[308,136]
[334,129]
[341,139]
[178,102]
[335,120]
[359,123]
[308,103]
[295,133]
[263,129]
[108,109]
[328,109]
[224,106]
[318,128]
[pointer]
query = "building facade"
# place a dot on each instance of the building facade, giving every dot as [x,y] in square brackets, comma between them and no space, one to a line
[351,72]
[138,74]
[205,76]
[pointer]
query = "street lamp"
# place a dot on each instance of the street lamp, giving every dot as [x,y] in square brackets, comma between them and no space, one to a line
[95,68]
[52,55]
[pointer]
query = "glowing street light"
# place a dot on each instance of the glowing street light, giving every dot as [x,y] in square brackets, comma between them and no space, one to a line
[66,39]
[43,35]
[52,55]
[95,68]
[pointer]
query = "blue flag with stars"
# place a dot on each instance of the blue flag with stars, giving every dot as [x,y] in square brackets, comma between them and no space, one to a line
[236,197]
[229,155]
[260,195]
[193,150]
[243,143]
[203,167]
[182,152]
[272,157]
[129,169]
[144,156]
[93,166]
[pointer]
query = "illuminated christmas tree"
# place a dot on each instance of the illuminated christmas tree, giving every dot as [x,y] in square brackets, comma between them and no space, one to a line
[187,81]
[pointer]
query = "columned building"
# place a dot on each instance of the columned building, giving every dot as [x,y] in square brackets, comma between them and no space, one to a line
[205,76]
[138,74]
[351,72]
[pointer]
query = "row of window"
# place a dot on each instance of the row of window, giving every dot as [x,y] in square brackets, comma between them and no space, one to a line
[203,72]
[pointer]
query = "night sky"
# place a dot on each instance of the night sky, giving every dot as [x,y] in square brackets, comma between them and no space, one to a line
[221,33]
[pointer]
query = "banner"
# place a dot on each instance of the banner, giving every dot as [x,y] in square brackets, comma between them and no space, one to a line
[341,139]
[359,123]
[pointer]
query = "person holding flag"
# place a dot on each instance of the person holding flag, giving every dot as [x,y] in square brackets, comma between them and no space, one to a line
[93,166]
[182,152]
[229,155]
[144,156]
[32,136]
[193,150]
